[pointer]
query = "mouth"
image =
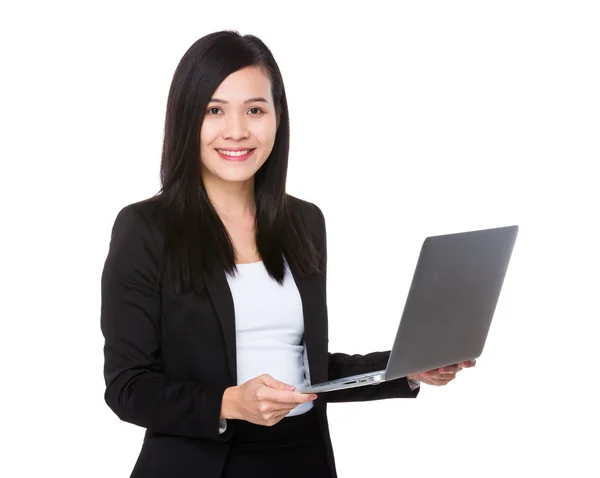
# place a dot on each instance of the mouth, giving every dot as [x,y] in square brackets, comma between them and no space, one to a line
[232,155]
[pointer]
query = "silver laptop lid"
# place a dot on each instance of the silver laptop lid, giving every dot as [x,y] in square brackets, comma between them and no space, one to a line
[452,300]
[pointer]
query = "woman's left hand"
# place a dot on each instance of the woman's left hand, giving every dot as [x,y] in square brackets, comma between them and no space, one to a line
[443,375]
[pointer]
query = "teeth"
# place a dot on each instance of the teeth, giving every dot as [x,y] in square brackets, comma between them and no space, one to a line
[233,153]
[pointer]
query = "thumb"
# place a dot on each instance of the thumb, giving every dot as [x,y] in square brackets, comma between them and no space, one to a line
[276,384]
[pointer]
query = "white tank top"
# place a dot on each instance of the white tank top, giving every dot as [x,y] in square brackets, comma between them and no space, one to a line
[269,326]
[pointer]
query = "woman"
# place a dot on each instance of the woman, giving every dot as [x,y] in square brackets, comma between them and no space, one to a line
[214,290]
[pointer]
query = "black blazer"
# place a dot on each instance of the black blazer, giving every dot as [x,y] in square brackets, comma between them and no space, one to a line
[169,358]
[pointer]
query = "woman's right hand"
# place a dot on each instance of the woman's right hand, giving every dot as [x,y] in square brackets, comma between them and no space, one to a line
[262,401]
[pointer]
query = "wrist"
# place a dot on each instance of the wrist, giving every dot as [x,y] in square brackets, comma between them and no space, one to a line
[228,403]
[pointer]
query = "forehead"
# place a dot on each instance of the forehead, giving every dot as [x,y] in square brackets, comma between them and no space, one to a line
[243,84]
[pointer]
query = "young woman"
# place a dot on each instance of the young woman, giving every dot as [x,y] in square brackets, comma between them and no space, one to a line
[214,290]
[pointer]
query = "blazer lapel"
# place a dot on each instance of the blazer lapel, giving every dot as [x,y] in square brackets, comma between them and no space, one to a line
[222,300]
[315,325]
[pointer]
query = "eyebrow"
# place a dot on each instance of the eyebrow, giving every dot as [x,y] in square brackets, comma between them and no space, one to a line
[251,100]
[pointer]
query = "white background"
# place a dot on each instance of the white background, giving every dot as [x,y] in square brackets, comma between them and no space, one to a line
[406,121]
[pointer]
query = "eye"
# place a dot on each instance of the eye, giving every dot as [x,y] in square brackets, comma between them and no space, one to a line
[214,108]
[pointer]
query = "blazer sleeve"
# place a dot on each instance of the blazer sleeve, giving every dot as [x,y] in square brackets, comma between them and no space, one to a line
[137,390]
[345,365]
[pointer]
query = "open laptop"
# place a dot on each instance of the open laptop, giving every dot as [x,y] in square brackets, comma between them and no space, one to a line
[449,308]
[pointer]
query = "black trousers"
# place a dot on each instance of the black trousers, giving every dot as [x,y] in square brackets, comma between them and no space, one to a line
[292,448]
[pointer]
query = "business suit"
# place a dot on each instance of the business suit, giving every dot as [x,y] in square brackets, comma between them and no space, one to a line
[169,358]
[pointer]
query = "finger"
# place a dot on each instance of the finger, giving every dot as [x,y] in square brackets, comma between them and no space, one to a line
[442,376]
[441,381]
[424,376]
[271,382]
[288,396]
[450,369]
[430,379]
[269,406]
[427,381]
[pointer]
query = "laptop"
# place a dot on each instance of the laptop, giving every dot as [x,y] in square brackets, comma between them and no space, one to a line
[449,307]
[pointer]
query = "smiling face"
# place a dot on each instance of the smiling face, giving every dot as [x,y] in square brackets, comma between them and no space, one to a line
[238,131]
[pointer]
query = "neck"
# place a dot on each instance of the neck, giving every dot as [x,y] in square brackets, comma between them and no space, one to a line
[231,199]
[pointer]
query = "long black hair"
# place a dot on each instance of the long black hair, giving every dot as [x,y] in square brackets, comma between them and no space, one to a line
[195,237]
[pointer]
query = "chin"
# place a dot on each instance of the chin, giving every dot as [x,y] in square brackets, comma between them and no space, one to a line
[235,176]
[232,172]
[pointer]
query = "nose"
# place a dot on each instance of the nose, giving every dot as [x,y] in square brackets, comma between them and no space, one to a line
[235,128]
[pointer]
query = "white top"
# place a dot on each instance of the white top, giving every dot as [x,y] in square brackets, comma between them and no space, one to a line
[269,326]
